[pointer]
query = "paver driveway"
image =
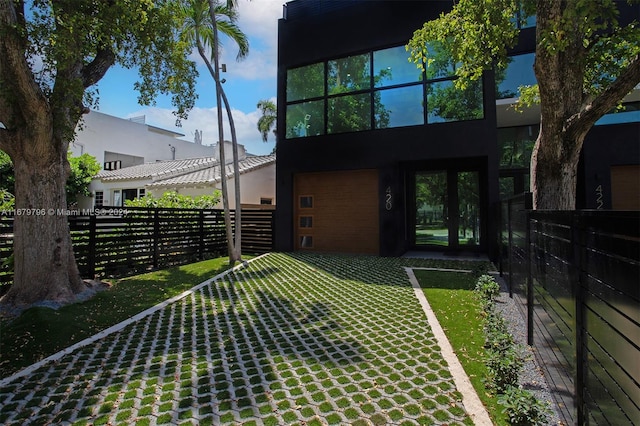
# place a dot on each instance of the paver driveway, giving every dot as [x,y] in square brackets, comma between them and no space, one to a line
[291,339]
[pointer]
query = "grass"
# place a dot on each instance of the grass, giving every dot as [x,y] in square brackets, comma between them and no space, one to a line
[40,332]
[310,345]
[458,310]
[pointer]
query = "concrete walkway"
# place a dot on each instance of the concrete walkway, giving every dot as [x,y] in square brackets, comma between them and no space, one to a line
[291,339]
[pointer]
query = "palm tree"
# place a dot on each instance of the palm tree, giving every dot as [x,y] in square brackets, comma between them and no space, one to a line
[267,122]
[203,21]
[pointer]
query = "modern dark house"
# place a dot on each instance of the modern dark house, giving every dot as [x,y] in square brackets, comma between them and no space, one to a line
[377,156]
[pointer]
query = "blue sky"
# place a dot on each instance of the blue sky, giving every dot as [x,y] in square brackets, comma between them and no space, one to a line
[247,82]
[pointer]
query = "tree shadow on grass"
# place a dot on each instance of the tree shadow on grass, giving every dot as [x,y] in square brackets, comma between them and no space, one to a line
[40,332]
[229,355]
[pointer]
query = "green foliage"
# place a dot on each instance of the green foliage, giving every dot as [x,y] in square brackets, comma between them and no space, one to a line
[8,263]
[503,368]
[172,199]
[476,34]
[136,34]
[7,178]
[522,408]
[83,169]
[267,120]
[7,200]
[487,287]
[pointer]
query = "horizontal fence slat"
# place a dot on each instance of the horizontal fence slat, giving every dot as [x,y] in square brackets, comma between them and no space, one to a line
[584,268]
[142,239]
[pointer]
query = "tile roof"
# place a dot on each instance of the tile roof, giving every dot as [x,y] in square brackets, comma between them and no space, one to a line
[213,174]
[157,170]
[193,171]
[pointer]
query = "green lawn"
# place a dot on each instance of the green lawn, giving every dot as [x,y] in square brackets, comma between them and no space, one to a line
[451,296]
[40,332]
[293,338]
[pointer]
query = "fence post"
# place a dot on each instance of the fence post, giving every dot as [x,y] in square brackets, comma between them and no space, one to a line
[530,298]
[510,247]
[201,234]
[579,263]
[91,256]
[156,237]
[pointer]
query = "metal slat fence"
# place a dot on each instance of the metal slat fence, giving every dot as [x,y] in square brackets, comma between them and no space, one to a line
[582,270]
[146,239]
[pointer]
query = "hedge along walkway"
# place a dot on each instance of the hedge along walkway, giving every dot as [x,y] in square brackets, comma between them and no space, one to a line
[292,339]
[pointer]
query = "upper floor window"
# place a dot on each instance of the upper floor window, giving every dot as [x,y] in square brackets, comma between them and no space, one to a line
[391,68]
[305,82]
[349,74]
[446,103]
[376,90]
[518,72]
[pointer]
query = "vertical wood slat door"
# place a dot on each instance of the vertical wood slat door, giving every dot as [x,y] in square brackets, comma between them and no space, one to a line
[625,187]
[337,212]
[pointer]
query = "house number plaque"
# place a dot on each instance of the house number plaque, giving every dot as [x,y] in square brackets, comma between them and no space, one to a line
[388,198]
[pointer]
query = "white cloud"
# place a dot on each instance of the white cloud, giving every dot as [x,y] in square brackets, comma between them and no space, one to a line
[205,119]
[258,19]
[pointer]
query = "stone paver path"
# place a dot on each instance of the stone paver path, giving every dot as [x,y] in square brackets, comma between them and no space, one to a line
[291,339]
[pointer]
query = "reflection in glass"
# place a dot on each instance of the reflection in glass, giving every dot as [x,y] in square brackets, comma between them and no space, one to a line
[468,208]
[305,82]
[306,202]
[432,216]
[306,241]
[349,113]
[305,119]
[306,221]
[439,63]
[349,74]
[518,73]
[507,187]
[399,107]
[391,67]
[515,145]
[447,103]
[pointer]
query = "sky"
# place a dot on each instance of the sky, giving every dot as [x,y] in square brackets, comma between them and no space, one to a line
[247,82]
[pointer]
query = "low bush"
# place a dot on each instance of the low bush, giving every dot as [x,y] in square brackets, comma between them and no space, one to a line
[522,408]
[487,287]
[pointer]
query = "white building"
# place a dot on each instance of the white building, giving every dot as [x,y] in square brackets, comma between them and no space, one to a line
[117,142]
[137,158]
[192,177]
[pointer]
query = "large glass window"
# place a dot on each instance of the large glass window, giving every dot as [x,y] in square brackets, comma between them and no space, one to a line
[305,82]
[399,107]
[519,72]
[305,119]
[379,89]
[349,113]
[439,64]
[447,103]
[515,145]
[349,74]
[391,67]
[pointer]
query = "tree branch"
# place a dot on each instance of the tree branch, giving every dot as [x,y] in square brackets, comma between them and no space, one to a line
[96,69]
[605,101]
[20,90]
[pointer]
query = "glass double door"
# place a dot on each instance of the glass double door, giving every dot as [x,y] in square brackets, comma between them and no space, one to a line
[447,209]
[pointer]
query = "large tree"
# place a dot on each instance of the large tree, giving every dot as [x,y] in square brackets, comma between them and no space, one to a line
[586,63]
[52,53]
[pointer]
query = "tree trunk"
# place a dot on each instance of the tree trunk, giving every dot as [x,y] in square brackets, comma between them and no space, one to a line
[554,170]
[45,266]
[236,180]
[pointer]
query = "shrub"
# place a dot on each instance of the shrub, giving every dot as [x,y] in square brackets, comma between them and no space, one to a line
[522,408]
[504,368]
[487,287]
